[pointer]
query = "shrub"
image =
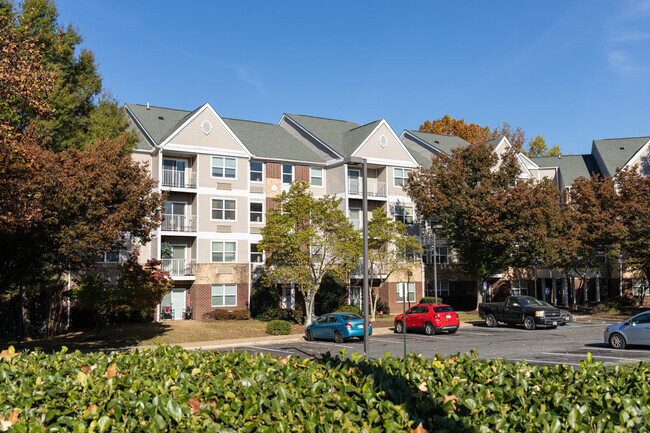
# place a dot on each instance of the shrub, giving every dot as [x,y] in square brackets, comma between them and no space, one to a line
[348,309]
[293,316]
[264,295]
[331,294]
[278,327]
[217,314]
[614,305]
[431,300]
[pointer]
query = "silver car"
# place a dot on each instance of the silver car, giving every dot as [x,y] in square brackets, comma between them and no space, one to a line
[635,330]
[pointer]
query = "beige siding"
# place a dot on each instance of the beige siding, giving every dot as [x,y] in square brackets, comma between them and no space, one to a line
[204,249]
[218,138]
[390,183]
[205,179]
[335,180]
[641,161]
[393,150]
[206,224]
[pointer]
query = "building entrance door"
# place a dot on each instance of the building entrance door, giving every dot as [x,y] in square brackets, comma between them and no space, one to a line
[355,296]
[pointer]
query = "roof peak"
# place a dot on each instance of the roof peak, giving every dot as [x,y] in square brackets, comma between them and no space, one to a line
[319,117]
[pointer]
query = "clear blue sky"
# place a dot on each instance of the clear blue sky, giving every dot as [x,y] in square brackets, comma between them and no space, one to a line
[573,71]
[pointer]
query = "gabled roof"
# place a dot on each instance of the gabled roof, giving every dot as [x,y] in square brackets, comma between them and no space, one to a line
[331,132]
[571,166]
[617,152]
[266,140]
[353,138]
[158,122]
[443,143]
[494,142]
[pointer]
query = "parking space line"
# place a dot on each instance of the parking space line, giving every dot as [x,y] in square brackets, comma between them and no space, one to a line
[595,356]
[264,349]
[330,345]
[647,352]
[544,362]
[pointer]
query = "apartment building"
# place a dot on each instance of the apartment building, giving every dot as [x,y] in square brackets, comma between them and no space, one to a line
[221,176]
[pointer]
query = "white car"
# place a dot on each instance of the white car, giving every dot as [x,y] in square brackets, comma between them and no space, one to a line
[635,330]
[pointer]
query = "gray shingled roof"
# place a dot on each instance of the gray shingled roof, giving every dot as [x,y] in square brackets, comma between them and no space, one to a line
[159,122]
[616,152]
[266,140]
[571,166]
[420,155]
[444,143]
[329,131]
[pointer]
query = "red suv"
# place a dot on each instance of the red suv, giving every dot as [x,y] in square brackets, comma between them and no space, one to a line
[433,318]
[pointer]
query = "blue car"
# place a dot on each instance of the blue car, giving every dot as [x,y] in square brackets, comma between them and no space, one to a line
[635,330]
[337,326]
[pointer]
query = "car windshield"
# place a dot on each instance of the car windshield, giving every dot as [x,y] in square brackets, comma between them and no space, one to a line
[531,301]
[351,316]
[443,309]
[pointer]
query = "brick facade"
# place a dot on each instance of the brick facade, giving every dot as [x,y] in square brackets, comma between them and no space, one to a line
[273,170]
[302,172]
[201,299]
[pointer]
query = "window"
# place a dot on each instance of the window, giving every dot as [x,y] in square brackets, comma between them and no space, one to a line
[316,253]
[316,176]
[409,288]
[224,252]
[223,209]
[257,171]
[639,287]
[287,173]
[256,255]
[519,288]
[401,176]
[224,167]
[442,255]
[108,257]
[355,218]
[404,214]
[224,295]
[443,288]
[257,212]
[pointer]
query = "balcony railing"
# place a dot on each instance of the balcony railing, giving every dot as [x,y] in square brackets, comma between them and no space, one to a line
[179,223]
[375,189]
[178,267]
[179,178]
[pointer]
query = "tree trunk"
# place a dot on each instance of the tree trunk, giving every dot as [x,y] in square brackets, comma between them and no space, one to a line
[479,293]
[309,304]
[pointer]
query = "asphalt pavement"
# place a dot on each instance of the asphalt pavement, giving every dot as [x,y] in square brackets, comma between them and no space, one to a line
[564,345]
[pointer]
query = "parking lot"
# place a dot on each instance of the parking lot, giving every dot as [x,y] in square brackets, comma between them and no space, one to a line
[564,345]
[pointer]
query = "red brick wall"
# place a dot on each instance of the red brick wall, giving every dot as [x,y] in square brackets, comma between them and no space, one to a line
[201,299]
[271,204]
[273,170]
[302,172]
[388,296]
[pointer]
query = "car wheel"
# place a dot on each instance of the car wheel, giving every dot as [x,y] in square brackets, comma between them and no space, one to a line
[490,320]
[429,329]
[361,338]
[453,331]
[399,328]
[338,338]
[310,335]
[529,323]
[617,341]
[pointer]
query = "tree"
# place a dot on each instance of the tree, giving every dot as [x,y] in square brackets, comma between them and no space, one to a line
[304,238]
[493,219]
[537,147]
[138,288]
[390,251]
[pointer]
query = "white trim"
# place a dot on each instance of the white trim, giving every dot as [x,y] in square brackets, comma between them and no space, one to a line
[223,285]
[322,177]
[391,132]
[256,182]
[204,150]
[295,122]
[293,174]
[523,155]
[262,202]
[223,124]
[224,209]
[223,251]
[638,153]
[390,162]
[416,138]
[142,128]
[523,166]
[404,180]
[407,291]
[224,168]
[250,243]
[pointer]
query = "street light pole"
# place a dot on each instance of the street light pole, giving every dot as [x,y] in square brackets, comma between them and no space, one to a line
[365,257]
[435,265]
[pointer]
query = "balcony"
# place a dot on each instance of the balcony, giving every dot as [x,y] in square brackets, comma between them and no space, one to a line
[179,223]
[375,189]
[178,267]
[179,178]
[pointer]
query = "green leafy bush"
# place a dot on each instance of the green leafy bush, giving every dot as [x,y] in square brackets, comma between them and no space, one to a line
[170,389]
[613,305]
[278,327]
[264,295]
[331,294]
[348,309]
[293,316]
[217,314]
[431,300]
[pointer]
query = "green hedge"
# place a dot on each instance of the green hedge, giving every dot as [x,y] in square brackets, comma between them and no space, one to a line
[278,327]
[431,300]
[293,316]
[348,309]
[170,389]
[217,314]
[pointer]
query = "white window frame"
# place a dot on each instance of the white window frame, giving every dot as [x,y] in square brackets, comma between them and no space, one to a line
[293,173]
[518,285]
[443,288]
[403,214]
[360,217]
[223,251]
[403,177]
[102,257]
[212,208]
[223,295]
[223,166]
[250,212]
[261,253]
[400,290]
[637,286]
[439,256]
[250,171]
[321,177]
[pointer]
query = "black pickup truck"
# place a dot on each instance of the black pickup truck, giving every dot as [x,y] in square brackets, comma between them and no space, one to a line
[520,310]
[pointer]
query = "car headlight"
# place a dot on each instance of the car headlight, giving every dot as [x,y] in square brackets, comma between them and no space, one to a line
[539,313]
